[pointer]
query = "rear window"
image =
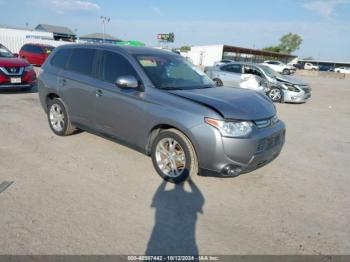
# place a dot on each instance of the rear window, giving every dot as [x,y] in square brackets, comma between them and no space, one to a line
[61,58]
[33,49]
[81,60]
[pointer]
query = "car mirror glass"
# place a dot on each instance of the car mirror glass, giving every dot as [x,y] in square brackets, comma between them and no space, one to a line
[128,81]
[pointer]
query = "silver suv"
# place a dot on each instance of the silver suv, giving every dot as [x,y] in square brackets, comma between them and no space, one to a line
[157,102]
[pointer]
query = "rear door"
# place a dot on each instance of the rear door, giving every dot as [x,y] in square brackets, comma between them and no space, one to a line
[25,53]
[231,74]
[36,55]
[76,86]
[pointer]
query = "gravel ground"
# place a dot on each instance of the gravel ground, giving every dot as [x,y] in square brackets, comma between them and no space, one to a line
[87,195]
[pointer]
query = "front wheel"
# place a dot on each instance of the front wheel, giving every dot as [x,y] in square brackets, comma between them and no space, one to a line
[173,156]
[275,94]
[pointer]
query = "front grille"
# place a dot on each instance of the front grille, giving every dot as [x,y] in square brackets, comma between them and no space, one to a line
[12,70]
[269,142]
[266,122]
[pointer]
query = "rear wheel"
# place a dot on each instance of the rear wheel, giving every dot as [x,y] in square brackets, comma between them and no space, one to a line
[173,156]
[218,82]
[275,94]
[58,118]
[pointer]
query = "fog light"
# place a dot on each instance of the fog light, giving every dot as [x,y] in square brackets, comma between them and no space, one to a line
[231,170]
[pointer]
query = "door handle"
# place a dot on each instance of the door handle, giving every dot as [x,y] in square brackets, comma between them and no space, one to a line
[99,92]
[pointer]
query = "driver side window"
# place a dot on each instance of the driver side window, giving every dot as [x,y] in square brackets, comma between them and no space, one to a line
[252,71]
[114,65]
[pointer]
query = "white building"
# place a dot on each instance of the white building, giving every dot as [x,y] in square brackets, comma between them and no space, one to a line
[15,38]
[207,55]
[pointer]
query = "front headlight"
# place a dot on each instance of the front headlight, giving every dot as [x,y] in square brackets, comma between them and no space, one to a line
[231,128]
[290,87]
[28,68]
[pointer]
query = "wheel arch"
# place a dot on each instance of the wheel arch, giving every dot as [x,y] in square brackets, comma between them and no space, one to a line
[152,134]
[50,96]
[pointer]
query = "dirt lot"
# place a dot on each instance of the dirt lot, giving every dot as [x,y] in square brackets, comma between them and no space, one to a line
[87,195]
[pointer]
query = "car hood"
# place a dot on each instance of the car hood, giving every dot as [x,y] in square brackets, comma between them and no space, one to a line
[16,62]
[290,79]
[232,103]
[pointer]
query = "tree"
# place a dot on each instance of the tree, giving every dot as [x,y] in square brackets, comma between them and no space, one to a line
[272,49]
[288,44]
[185,48]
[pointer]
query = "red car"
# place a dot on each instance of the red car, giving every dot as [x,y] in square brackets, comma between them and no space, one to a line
[15,73]
[35,54]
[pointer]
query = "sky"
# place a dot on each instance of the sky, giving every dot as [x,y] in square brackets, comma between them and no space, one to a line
[324,25]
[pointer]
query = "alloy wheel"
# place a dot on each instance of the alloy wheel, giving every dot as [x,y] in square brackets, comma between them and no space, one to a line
[170,157]
[57,118]
[275,94]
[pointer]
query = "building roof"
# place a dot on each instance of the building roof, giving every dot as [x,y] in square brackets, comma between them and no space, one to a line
[16,28]
[100,36]
[55,29]
[325,61]
[236,49]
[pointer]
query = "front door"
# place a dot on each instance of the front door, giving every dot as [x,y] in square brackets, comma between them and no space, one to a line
[119,112]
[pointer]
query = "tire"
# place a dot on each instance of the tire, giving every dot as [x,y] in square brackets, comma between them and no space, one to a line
[286,72]
[57,113]
[161,153]
[218,82]
[275,94]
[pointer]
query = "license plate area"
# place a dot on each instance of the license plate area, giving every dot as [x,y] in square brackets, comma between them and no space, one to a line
[15,80]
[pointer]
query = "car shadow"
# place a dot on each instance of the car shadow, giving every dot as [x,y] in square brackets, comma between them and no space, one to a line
[175,220]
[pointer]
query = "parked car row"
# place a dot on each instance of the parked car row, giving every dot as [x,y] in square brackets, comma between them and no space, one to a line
[262,78]
[343,70]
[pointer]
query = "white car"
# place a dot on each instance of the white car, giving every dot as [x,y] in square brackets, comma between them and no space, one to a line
[280,67]
[223,62]
[343,70]
[310,66]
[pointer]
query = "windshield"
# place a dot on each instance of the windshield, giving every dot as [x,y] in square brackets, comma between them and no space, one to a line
[173,72]
[4,52]
[269,71]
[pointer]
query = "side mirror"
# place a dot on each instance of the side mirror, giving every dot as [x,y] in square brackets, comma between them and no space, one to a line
[15,55]
[128,81]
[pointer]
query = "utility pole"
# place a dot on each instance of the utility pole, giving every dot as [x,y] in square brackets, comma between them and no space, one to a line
[105,20]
